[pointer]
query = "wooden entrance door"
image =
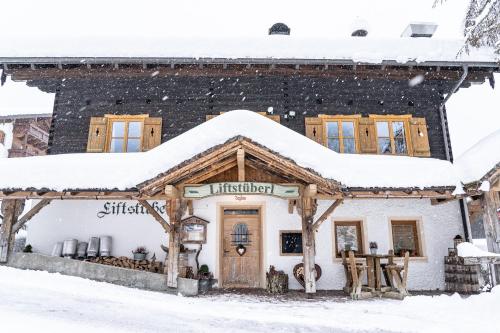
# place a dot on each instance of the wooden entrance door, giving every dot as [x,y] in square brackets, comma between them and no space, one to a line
[241,230]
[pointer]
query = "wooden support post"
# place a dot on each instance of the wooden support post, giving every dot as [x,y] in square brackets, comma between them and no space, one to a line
[11,209]
[175,210]
[306,206]
[29,215]
[240,157]
[156,215]
[327,213]
[490,202]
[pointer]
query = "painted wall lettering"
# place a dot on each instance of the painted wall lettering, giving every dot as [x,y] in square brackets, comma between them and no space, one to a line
[126,208]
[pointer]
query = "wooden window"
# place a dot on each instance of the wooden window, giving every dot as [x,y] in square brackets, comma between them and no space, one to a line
[341,133]
[123,133]
[290,243]
[240,234]
[348,236]
[392,134]
[2,137]
[405,238]
[340,136]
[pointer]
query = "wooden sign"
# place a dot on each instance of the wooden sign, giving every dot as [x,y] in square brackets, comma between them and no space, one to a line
[241,188]
[194,230]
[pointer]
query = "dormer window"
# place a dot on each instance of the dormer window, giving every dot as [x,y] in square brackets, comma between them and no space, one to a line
[359,33]
[279,29]
[419,30]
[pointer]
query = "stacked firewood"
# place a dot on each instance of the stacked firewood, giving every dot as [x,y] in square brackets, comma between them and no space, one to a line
[124,262]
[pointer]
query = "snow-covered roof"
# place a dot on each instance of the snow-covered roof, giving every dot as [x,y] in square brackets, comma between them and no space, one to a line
[480,159]
[320,30]
[125,171]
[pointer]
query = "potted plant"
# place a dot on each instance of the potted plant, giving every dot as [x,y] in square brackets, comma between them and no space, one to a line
[373,247]
[140,253]
[204,279]
[28,249]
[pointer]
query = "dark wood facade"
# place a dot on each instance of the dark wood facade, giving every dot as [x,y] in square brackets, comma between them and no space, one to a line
[183,97]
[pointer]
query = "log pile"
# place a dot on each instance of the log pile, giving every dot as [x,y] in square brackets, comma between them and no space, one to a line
[124,262]
[276,281]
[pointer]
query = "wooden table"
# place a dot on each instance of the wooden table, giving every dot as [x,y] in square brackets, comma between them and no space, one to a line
[374,268]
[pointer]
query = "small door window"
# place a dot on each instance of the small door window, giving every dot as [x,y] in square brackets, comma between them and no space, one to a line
[240,234]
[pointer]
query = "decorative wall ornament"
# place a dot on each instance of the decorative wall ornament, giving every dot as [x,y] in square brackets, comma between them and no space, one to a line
[298,273]
[241,249]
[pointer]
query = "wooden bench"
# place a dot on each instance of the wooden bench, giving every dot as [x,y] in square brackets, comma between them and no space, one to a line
[354,277]
[396,280]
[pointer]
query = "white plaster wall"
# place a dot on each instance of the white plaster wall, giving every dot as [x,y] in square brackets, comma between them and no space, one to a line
[7,128]
[439,224]
[78,219]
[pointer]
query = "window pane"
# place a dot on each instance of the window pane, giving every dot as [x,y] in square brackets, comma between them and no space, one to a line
[334,144]
[348,238]
[333,129]
[382,129]
[404,239]
[347,129]
[133,145]
[240,234]
[384,145]
[118,129]
[134,129]
[349,146]
[400,145]
[398,129]
[291,242]
[116,146]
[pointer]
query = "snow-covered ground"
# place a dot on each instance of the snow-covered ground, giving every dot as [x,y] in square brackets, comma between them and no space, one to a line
[39,301]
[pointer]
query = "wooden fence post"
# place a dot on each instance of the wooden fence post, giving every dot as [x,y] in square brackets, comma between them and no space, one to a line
[11,209]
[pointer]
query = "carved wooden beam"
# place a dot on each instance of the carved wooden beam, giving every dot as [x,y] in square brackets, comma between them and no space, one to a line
[327,213]
[172,192]
[156,215]
[30,214]
[240,157]
[310,191]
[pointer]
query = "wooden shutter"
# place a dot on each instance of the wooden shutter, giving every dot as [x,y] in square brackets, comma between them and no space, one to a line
[419,137]
[314,129]
[97,135]
[152,133]
[367,136]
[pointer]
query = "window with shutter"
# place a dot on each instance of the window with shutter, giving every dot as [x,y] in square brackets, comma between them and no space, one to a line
[97,135]
[405,237]
[419,137]
[314,129]
[152,133]
[341,133]
[123,133]
[367,136]
[392,134]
